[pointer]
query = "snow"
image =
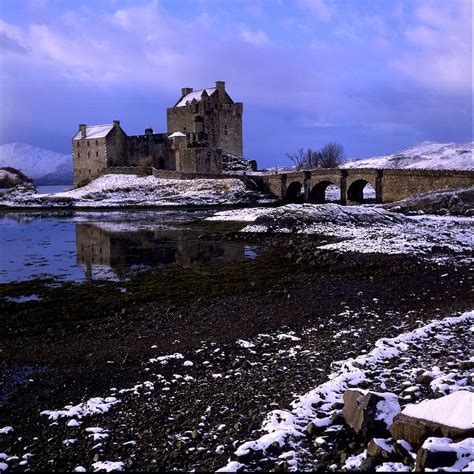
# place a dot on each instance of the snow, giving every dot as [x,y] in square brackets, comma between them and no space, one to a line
[353,462]
[392,467]
[454,410]
[238,215]
[366,229]
[194,95]
[177,134]
[388,408]
[95,131]
[122,190]
[464,451]
[281,424]
[108,466]
[426,155]
[37,163]
[93,406]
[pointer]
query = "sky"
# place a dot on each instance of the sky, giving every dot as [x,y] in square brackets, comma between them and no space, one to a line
[376,76]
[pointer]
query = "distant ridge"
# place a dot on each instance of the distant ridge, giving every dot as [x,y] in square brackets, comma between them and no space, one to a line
[42,166]
[425,155]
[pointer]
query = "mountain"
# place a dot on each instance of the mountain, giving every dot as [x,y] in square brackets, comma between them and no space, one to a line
[42,166]
[425,155]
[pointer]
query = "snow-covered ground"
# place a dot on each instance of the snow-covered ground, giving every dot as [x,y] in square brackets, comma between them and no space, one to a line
[42,166]
[408,356]
[425,155]
[367,229]
[117,190]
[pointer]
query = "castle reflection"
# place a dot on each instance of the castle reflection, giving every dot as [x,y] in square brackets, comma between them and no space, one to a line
[104,249]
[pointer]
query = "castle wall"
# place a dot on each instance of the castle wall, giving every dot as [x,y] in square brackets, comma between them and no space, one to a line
[89,159]
[199,160]
[151,149]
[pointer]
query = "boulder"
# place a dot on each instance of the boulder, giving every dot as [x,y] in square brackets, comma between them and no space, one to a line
[370,414]
[443,453]
[449,416]
[380,448]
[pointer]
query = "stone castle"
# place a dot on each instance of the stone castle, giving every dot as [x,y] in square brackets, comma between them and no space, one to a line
[202,125]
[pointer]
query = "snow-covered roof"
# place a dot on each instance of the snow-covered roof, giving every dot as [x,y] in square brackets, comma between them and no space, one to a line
[194,95]
[95,131]
[177,134]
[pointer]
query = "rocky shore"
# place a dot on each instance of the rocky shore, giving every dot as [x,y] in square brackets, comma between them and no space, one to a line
[174,370]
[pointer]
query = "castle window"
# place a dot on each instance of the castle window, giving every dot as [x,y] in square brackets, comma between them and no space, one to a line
[88,143]
[78,155]
[96,153]
[97,143]
[88,154]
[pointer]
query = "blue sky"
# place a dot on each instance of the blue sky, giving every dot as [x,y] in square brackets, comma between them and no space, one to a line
[374,75]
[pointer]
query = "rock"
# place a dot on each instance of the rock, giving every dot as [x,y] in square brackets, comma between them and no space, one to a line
[445,416]
[404,451]
[424,379]
[370,414]
[380,448]
[369,464]
[441,452]
[466,364]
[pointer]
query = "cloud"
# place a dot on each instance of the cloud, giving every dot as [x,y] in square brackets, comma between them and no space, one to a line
[440,53]
[257,38]
[319,8]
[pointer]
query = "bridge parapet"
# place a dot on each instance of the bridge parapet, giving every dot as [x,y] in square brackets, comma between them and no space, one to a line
[389,184]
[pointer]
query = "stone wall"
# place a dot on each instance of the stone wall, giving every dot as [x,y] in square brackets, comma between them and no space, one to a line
[151,149]
[400,184]
[89,159]
[199,160]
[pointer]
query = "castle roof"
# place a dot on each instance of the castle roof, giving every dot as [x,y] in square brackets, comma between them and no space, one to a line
[177,134]
[194,95]
[95,131]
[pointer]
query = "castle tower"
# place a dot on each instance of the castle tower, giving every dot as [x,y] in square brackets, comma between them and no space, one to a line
[210,117]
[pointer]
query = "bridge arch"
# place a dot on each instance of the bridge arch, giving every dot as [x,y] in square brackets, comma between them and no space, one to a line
[294,192]
[355,191]
[318,195]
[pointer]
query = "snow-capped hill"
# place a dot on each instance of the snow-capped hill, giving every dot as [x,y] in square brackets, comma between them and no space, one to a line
[42,166]
[425,155]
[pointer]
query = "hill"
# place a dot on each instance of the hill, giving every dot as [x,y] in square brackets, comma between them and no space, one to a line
[41,165]
[425,155]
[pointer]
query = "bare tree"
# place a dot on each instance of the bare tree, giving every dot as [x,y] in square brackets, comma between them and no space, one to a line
[331,155]
[298,158]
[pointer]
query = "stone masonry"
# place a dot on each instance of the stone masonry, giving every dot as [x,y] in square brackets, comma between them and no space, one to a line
[201,126]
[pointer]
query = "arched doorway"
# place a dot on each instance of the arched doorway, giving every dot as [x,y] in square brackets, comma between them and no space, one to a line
[325,191]
[294,192]
[361,191]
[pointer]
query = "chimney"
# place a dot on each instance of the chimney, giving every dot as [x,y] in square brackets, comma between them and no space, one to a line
[186,91]
[148,131]
[82,129]
[220,86]
[116,123]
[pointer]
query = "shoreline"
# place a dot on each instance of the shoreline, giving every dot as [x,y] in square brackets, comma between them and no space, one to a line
[211,305]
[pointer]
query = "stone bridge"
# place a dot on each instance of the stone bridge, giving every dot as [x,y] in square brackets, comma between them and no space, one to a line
[389,184]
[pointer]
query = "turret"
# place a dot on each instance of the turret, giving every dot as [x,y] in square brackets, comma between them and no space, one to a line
[82,129]
[186,91]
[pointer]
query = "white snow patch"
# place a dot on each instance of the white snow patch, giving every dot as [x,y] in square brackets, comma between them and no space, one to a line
[108,466]
[93,406]
[454,410]
[425,155]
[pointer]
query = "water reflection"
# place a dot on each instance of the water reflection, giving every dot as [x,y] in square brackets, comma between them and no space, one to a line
[108,245]
[100,249]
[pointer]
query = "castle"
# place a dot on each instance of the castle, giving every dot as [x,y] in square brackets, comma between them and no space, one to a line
[202,125]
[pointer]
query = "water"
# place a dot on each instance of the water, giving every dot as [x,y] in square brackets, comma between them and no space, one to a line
[109,245]
[56,188]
